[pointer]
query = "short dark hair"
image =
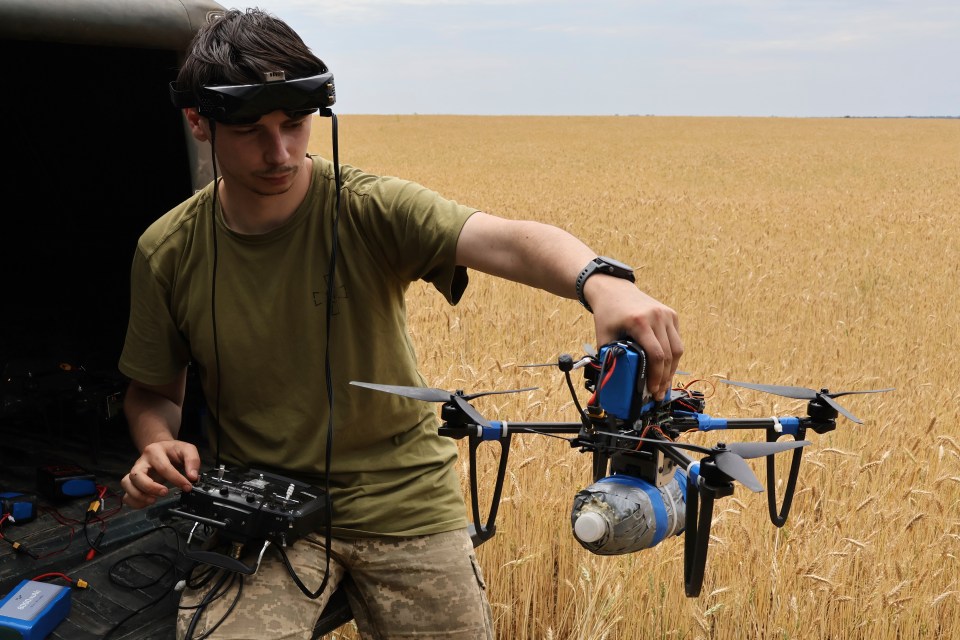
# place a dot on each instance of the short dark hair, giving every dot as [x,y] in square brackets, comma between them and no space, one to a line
[240,46]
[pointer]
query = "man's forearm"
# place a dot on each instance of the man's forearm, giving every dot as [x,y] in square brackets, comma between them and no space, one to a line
[154,414]
[528,252]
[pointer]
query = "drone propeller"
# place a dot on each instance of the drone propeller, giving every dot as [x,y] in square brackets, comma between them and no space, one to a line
[801,393]
[729,457]
[429,394]
[543,364]
[566,362]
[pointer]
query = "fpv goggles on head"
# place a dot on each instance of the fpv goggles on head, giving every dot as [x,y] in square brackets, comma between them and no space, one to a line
[246,103]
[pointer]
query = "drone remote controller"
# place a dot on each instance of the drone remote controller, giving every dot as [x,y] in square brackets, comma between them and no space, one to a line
[252,506]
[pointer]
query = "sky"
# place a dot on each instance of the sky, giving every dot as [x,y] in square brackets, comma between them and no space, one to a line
[789,58]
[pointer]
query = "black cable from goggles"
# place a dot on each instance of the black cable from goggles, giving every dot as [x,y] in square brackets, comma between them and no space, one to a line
[245,104]
[213,289]
[331,285]
[332,266]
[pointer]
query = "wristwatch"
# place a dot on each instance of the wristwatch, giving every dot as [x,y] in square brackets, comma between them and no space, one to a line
[604,265]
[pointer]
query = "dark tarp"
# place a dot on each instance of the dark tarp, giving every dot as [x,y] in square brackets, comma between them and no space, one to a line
[150,24]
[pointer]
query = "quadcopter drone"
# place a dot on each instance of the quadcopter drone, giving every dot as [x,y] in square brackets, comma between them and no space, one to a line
[645,486]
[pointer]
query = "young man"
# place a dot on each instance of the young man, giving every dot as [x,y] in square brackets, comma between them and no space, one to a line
[281,288]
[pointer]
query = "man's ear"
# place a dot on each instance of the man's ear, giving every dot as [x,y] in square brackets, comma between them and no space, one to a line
[199,126]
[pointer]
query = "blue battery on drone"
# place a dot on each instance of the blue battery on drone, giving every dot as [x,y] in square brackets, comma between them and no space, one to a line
[616,394]
[33,610]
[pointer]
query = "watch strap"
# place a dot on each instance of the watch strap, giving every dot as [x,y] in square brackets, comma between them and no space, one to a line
[603,265]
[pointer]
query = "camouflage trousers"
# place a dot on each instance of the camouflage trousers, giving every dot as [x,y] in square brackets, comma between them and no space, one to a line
[425,587]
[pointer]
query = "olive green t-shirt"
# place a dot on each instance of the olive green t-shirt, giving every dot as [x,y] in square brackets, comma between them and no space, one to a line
[391,473]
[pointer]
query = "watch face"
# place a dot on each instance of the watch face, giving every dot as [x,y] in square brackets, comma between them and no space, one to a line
[616,264]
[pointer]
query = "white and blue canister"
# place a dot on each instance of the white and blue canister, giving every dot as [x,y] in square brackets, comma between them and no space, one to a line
[622,514]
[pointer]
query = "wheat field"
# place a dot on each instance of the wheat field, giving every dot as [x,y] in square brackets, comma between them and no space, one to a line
[806,252]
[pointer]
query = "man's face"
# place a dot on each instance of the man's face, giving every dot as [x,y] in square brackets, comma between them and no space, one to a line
[264,157]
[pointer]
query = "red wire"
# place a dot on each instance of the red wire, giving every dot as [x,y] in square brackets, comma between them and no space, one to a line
[606,378]
[613,367]
[53,574]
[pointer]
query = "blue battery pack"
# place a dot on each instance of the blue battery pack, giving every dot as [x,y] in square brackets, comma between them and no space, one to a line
[628,376]
[33,610]
[21,507]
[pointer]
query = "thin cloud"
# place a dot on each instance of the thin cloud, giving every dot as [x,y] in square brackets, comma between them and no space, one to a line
[774,57]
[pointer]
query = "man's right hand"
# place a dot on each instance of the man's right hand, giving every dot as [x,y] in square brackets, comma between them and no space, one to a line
[160,462]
